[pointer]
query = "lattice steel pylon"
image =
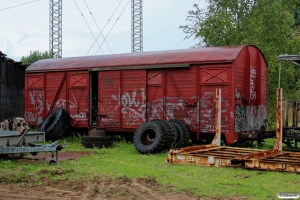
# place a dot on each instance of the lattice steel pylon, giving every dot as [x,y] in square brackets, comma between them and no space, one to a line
[136,25]
[55,29]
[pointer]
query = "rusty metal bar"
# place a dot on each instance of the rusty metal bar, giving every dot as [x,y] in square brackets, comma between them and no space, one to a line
[280,161]
[255,154]
[278,143]
[286,113]
[217,139]
[279,74]
[295,114]
[208,155]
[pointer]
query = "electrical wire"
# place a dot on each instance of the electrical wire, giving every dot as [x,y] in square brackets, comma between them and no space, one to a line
[113,26]
[105,25]
[18,5]
[88,26]
[98,26]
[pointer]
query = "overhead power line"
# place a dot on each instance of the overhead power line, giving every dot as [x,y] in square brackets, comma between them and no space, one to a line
[113,25]
[97,26]
[18,5]
[104,27]
[88,26]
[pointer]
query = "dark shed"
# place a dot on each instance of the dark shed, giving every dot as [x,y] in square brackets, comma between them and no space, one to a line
[12,83]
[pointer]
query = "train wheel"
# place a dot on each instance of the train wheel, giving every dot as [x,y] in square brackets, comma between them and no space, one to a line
[56,124]
[150,137]
[183,133]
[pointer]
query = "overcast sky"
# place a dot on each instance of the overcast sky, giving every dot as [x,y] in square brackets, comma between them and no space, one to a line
[26,27]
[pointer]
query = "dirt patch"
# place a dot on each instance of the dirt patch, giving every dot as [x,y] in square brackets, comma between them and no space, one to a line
[118,188]
[98,187]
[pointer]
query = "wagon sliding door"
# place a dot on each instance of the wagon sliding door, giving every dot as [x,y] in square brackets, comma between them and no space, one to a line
[78,98]
[109,99]
[34,98]
[212,77]
[122,98]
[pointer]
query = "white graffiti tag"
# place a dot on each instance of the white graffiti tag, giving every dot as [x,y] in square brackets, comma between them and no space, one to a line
[133,109]
[207,108]
[37,100]
[252,80]
[61,103]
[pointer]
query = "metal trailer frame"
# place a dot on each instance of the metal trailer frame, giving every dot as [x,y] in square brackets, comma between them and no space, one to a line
[11,138]
[223,156]
[12,143]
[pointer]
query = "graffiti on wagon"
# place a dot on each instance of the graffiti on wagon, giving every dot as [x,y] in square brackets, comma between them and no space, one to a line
[252,80]
[133,107]
[174,107]
[37,99]
[207,112]
[249,118]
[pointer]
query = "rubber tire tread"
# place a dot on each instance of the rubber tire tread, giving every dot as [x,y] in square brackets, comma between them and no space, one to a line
[183,133]
[174,134]
[55,129]
[105,141]
[158,145]
[168,130]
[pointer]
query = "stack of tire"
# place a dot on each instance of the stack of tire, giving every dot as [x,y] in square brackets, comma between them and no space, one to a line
[97,138]
[158,135]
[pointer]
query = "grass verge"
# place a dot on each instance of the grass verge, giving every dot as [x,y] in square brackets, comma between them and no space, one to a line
[123,160]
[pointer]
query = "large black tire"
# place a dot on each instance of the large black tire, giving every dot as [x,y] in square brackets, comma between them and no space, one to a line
[173,134]
[150,138]
[104,141]
[183,133]
[169,130]
[56,124]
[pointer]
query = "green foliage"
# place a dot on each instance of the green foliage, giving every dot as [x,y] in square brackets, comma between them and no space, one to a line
[34,56]
[297,15]
[271,25]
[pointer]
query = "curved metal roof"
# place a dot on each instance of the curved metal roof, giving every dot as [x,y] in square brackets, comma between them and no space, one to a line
[195,55]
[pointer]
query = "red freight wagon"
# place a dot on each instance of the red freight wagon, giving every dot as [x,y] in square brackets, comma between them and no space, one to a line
[120,92]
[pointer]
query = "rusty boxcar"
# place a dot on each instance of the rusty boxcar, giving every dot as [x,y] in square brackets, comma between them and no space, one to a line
[120,92]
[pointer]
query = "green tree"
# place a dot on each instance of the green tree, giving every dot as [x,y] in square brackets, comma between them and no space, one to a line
[271,25]
[34,56]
